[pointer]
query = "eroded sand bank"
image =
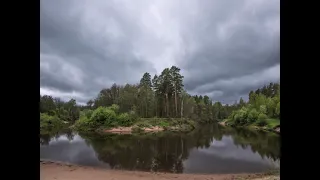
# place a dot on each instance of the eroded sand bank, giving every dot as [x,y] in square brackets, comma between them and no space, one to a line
[57,170]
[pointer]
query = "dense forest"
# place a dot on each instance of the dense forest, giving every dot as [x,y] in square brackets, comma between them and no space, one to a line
[162,96]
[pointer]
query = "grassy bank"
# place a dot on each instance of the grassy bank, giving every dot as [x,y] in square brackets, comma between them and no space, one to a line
[168,124]
[109,118]
[267,125]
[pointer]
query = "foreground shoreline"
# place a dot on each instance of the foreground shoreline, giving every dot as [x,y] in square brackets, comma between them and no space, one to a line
[50,170]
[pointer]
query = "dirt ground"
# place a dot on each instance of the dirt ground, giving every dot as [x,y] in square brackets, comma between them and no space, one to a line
[128,130]
[61,171]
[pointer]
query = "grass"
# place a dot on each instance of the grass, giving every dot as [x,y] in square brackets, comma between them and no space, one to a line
[171,124]
[270,126]
[272,123]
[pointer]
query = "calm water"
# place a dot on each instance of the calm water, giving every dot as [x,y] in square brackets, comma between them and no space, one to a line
[209,149]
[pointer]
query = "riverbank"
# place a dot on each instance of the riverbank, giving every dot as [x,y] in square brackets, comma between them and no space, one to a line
[57,170]
[152,125]
[129,130]
[272,125]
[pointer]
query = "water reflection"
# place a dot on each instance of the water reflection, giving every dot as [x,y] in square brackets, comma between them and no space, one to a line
[209,149]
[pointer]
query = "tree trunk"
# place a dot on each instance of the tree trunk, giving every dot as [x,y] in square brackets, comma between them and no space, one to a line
[181,108]
[175,98]
[146,109]
[167,105]
[155,105]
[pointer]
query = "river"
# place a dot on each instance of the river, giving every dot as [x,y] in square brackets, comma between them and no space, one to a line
[208,149]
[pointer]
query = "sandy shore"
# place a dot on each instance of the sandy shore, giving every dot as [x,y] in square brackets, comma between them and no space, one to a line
[62,171]
[128,130]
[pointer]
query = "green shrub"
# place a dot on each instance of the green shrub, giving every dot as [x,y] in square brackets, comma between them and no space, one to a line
[163,124]
[143,124]
[104,116]
[114,107]
[62,114]
[85,124]
[124,119]
[253,115]
[263,109]
[262,119]
[47,121]
[240,117]
[192,123]
[278,110]
[175,122]
[87,113]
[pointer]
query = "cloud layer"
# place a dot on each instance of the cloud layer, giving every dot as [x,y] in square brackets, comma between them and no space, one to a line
[224,48]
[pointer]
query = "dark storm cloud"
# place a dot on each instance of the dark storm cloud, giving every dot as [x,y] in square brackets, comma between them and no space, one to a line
[78,57]
[233,48]
[224,48]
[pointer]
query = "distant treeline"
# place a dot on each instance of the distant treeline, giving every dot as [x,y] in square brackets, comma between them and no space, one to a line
[162,96]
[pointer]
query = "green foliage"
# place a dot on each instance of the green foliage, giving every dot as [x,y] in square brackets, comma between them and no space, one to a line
[103,116]
[49,122]
[262,119]
[124,119]
[273,123]
[86,124]
[278,109]
[264,104]
[263,109]
[253,115]
[163,96]
[143,124]
[163,124]
[241,116]
[87,113]
[66,111]
[114,108]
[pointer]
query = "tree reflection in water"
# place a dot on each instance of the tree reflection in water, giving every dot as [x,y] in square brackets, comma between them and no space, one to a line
[166,151]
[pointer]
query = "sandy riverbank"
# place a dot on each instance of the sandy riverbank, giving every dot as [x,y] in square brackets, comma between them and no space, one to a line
[128,130]
[62,171]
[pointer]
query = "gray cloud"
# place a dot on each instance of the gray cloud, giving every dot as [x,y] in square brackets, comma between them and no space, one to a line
[224,48]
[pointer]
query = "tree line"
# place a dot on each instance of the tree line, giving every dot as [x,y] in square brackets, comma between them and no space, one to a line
[262,109]
[162,96]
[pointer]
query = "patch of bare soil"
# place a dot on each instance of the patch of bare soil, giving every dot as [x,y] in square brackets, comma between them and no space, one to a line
[119,129]
[128,130]
[62,171]
[154,128]
[222,123]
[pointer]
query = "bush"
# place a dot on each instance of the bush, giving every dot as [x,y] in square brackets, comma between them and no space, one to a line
[143,124]
[163,124]
[253,116]
[114,108]
[104,116]
[124,119]
[192,123]
[263,109]
[47,121]
[262,119]
[87,113]
[240,117]
[85,124]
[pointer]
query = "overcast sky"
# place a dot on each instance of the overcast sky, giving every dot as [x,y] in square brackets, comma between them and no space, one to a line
[225,48]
